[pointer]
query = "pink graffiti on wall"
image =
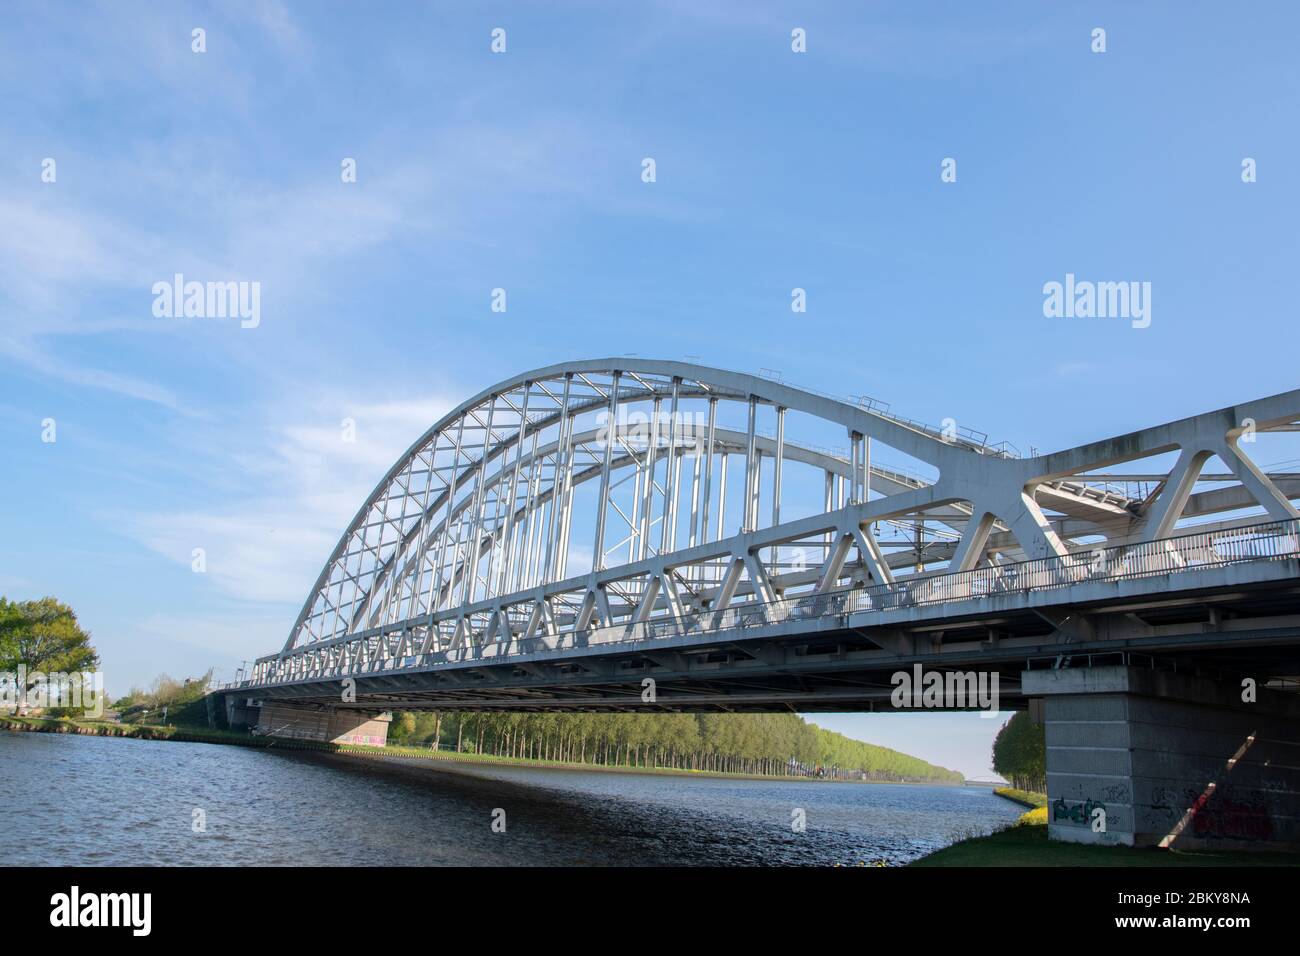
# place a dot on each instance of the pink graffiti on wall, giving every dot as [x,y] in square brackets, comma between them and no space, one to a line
[1232,819]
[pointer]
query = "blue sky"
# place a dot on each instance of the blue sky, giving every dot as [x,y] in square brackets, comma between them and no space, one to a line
[522,171]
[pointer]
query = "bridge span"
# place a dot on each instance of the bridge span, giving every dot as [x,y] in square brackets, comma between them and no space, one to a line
[658,535]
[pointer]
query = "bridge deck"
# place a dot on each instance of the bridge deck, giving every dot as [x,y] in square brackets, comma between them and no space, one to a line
[1230,595]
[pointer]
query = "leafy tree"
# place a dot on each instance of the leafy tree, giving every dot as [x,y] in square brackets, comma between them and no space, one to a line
[402,727]
[43,636]
[1020,753]
[181,700]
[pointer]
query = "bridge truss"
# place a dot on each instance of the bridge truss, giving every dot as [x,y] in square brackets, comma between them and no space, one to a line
[620,494]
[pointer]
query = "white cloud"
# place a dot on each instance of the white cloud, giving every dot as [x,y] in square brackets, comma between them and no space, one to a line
[38,360]
[270,545]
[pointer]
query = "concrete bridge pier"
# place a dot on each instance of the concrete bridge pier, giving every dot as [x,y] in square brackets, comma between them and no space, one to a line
[1168,759]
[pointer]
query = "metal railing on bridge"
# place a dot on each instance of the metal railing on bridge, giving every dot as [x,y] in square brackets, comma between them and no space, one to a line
[1270,541]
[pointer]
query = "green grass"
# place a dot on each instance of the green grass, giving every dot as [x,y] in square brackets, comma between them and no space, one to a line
[111,728]
[1027,845]
[189,733]
[1026,798]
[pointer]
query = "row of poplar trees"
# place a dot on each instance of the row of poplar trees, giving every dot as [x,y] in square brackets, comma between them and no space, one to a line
[775,744]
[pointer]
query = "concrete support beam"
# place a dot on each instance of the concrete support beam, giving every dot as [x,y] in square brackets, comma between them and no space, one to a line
[1171,759]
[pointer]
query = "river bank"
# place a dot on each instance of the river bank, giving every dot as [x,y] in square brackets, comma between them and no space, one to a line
[1025,798]
[190,734]
[1026,844]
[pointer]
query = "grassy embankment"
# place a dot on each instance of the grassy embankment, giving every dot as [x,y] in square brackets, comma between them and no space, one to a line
[198,734]
[1025,844]
[1026,798]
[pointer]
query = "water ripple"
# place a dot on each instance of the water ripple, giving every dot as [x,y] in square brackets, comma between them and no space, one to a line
[116,801]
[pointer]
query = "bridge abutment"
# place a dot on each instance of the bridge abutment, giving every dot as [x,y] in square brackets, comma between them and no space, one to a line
[331,725]
[1169,759]
[239,710]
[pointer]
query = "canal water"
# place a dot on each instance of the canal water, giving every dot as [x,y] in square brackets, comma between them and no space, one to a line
[72,800]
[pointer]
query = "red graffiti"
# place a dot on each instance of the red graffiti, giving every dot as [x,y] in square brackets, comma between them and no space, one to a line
[1230,819]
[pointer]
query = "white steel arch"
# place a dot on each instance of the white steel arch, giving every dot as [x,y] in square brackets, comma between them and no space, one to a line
[469,536]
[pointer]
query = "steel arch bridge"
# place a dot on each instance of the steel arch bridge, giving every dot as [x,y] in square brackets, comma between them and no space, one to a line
[638,502]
